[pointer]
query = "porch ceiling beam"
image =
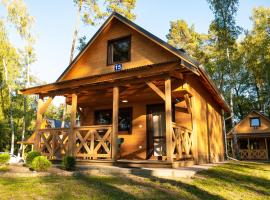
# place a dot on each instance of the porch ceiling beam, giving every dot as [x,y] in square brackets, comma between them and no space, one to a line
[156,89]
[177,75]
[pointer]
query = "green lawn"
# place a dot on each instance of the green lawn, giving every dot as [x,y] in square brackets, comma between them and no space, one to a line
[239,180]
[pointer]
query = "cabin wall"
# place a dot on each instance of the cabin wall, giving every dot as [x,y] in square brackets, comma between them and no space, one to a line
[210,142]
[94,60]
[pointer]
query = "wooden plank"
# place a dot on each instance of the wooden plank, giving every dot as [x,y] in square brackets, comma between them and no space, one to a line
[115,123]
[194,131]
[266,148]
[45,105]
[156,89]
[38,126]
[188,103]
[168,114]
[72,133]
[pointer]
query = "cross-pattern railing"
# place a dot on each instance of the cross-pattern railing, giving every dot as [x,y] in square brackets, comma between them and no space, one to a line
[182,142]
[254,154]
[54,142]
[92,142]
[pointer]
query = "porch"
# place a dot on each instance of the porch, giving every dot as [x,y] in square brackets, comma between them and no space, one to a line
[100,140]
[252,147]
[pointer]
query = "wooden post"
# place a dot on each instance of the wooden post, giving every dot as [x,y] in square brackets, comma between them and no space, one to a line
[38,125]
[115,123]
[194,131]
[72,133]
[266,148]
[168,114]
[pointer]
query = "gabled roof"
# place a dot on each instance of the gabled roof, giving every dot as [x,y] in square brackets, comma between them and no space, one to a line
[192,63]
[240,122]
[187,61]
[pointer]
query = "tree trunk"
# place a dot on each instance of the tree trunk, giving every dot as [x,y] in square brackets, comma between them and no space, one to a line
[10,109]
[75,33]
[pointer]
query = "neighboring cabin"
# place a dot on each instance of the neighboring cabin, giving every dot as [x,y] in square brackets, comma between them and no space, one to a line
[129,89]
[250,138]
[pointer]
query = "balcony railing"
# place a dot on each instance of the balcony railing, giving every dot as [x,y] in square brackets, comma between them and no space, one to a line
[92,142]
[182,142]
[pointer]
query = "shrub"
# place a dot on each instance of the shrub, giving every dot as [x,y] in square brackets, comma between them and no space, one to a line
[41,163]
[69,162]
[30,157]
[4,158]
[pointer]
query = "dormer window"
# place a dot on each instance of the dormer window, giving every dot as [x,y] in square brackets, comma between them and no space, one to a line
[255,122]
[119,50]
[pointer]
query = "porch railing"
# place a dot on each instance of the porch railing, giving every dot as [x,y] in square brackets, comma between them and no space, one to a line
[253,154]
[92,142]
[182,142]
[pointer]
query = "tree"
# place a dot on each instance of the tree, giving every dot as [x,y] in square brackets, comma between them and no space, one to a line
[184,37]
[257,56]
[226,32]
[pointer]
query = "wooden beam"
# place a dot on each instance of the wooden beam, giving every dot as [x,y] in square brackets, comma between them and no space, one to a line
[45,105]
[266,148]
[115,123]
[177,75]
[168,118]
[194,115]
[188,103]
[156,89]
[72,133]
[38,125]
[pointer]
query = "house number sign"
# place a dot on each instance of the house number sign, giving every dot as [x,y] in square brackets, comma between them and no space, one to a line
[118,67]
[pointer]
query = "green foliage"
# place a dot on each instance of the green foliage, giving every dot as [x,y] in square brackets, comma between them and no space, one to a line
[4,158]
[69,162]
[41,163]
[30,157]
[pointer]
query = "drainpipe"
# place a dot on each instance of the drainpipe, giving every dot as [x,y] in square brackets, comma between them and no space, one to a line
[225,136]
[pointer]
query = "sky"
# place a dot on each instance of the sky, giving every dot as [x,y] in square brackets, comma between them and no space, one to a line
[55,19]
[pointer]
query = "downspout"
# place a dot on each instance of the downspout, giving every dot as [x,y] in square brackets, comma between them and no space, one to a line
[225,136]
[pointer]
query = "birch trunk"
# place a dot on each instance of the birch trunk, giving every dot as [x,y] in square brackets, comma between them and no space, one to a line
[10,109]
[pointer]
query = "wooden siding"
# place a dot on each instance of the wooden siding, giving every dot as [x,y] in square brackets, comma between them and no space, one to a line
[94,60]
[244,126]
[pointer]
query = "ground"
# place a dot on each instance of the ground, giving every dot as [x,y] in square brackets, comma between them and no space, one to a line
[233,180]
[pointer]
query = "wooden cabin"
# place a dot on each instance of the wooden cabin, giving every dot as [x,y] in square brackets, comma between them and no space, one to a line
[250,138]
[137,99]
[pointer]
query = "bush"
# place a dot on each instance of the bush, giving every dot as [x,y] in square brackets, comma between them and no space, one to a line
[41,163]
[69,162]
[4,158]
[30,157]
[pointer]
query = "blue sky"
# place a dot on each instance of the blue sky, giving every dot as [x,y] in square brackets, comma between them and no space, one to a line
[54,22]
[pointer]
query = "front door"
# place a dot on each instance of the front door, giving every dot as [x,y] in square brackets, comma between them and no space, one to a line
[156,138]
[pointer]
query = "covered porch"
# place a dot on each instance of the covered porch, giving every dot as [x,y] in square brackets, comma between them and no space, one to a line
[93,138]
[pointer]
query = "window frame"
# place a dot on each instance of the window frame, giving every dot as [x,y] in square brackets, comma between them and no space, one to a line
[109,53]
[120,132]
[252,118]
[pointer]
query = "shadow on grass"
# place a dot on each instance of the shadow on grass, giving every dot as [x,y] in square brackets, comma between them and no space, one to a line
[230,174]
[187,191]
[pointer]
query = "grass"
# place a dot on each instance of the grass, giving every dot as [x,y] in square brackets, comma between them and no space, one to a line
[235,180]
[4,168]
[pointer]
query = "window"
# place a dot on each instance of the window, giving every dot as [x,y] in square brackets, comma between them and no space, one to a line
[103,117]
[255,122]
[119,50]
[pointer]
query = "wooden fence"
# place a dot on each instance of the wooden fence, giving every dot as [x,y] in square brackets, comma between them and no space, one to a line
[254,154]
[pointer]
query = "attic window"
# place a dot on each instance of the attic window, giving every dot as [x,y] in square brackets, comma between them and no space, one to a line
[255,122]
[119,50]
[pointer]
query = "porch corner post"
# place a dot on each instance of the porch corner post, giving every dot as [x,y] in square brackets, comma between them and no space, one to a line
[266,148]
[115,123]
[72,133]
[168,118]
[38,125]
